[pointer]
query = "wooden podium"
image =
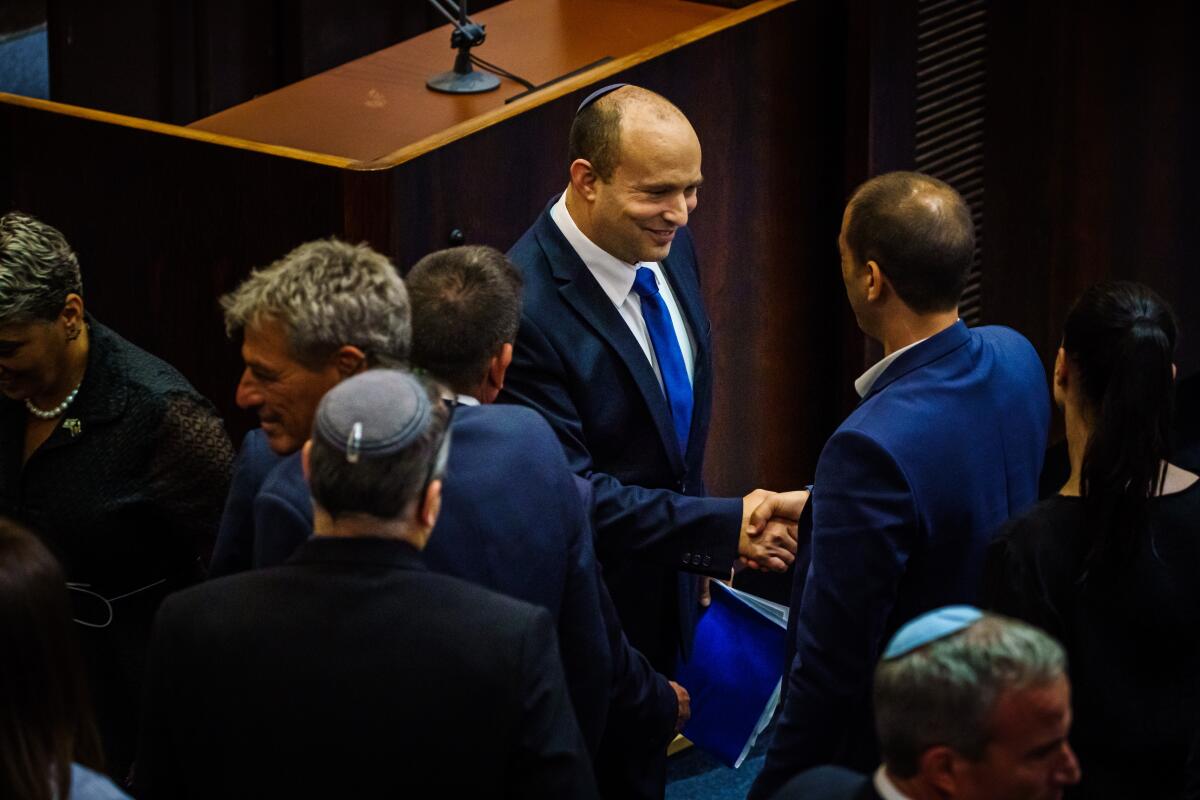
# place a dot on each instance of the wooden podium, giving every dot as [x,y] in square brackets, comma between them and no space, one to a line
[165,218]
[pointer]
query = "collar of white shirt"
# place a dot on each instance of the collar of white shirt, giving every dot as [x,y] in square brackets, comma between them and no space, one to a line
[614,275]
[887,790]
[460,399]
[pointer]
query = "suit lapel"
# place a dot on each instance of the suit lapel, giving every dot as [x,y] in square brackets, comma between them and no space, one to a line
[581,291]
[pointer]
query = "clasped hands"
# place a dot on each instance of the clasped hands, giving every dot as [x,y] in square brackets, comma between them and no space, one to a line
[770,523]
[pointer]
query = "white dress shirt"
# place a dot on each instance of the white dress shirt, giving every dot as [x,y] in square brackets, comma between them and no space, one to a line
[616,279]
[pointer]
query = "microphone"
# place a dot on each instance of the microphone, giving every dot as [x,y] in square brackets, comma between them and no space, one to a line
[464,78]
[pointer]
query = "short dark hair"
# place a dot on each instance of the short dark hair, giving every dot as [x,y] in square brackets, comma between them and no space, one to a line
[596,137]
[920,233]
[45,717]
[466,303]
[384,486]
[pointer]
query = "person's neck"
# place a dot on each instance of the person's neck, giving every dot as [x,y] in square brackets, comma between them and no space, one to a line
[70,376]
[901,330]
[1078,432]
[352,526]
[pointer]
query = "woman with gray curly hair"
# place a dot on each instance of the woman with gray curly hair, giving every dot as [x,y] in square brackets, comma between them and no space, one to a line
[110,456]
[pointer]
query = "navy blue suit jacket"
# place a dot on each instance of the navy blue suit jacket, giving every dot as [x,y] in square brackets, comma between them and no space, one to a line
[511,520]
[576,363]
[945,447]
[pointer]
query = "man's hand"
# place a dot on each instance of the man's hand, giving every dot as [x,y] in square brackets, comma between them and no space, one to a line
[769,546]
[776,517]
[685,706]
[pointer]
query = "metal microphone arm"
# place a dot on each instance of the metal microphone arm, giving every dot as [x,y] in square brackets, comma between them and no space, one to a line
[463,79]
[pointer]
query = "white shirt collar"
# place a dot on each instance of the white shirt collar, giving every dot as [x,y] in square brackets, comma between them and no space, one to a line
[867,379]
[884,786]
[614,275]
[460,399]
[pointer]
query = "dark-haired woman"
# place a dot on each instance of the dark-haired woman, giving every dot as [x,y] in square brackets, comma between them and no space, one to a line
[48,743]
[109,456]
[1111,566]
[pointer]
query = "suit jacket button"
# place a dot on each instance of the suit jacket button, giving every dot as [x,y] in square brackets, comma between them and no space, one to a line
[687,557]
[707,561]
[697,560]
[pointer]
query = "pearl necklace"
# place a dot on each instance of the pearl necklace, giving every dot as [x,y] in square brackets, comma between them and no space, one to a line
[57,411]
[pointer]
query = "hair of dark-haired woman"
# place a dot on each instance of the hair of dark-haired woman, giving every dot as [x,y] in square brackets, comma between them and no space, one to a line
[1120,337]
[45,719]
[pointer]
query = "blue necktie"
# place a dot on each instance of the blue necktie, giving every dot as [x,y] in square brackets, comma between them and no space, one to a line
[676,384]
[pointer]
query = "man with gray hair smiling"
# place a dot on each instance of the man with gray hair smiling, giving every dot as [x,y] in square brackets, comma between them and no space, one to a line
[968,705]
[325,311]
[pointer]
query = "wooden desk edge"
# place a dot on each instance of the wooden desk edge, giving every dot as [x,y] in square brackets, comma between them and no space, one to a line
[430,143]
[564,87]
[179,131]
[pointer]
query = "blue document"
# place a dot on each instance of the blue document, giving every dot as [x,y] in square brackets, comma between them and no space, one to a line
[735,672]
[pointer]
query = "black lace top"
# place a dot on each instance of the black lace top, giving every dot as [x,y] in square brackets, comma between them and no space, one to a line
[127,492]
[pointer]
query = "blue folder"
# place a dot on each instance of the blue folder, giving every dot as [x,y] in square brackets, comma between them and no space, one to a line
[734,673]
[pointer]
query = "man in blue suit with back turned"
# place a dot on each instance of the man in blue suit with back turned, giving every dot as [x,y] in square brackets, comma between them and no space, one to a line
[946,445]
[614,351]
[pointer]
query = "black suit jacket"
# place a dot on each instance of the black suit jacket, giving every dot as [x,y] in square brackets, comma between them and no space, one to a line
[577,363]
[511,520]
[352,671]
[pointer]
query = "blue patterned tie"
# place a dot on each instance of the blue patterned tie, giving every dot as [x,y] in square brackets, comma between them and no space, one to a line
[676,384]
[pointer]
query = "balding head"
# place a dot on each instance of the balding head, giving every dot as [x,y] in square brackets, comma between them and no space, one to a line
[597,129]
[918,230]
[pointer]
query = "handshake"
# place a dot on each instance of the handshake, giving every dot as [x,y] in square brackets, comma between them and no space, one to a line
[770,520]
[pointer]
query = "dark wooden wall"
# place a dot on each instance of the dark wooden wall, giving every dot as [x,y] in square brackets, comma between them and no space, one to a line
[1093,119]
[182,60]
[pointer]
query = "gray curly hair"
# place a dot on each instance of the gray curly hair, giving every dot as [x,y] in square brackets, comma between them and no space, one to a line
[38,269]
[328,294]
[945,692]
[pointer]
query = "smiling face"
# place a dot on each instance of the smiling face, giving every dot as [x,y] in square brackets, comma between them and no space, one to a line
[635,213]
[283,391]
[1028,757]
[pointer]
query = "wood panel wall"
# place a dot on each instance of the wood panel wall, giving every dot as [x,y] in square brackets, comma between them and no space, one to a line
[1093,116]
[182,60]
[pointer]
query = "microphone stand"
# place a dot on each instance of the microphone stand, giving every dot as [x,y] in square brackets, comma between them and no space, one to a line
[463,79]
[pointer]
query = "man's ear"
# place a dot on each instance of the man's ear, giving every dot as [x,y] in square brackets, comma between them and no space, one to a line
[583,179]
[431,504]
[875,280]
[499,365]
[939,766]
[305,456]
[1174,372]
[349,360]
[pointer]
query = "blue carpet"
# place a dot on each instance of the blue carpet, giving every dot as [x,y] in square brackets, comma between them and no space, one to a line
[25,64]
[695,775]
